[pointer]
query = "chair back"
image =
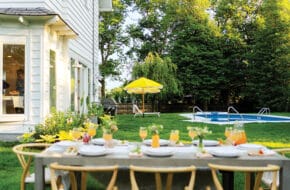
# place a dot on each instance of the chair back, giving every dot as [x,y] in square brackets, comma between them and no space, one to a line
[157,172]
[83,170]
[267,176]
[258,170]
[25,154]
[136,110]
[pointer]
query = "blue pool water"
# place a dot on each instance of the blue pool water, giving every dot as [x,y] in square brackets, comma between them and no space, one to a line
[225,118]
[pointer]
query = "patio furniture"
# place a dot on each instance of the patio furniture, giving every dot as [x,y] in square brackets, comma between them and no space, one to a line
[138,112]
[84,170]
[181,157]
[248,170]
[158,171]
[25,154]
[267,176]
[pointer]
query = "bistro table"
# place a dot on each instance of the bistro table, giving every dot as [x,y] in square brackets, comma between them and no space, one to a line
[183,156]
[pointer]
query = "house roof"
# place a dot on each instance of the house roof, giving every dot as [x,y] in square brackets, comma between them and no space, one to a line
[30,14]
[38,11]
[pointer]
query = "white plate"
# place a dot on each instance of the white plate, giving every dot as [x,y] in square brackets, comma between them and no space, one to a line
[162,142]
[101,141]
[225,152]
[98,141]
[66,143]
[252,147]
[207,142]
[91,150]
[158,152]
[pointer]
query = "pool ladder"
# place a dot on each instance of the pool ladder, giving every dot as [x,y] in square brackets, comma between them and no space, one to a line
[193,111]
[264,111]
[236,111]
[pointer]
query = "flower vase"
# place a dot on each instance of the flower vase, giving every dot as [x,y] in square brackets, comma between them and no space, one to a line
[108,138]
[200,144]
[155,141]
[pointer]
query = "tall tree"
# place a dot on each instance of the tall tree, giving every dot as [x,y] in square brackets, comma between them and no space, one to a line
[269,62]
[112,41]
[159,69]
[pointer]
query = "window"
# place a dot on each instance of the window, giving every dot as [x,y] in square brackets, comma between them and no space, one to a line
[52,86]
[72,85]
[13,78]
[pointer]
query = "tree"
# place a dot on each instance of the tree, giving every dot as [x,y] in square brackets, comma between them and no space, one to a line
[269,62]
[159,69]
[112,41]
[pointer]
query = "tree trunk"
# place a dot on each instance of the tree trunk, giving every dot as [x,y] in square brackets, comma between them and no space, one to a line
[103,88]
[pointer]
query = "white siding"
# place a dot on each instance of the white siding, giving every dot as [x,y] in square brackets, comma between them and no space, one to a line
[21,3]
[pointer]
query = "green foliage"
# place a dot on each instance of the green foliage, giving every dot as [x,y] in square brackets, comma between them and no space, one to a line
[94,109]
[160,70]
[112,40]
[54,123]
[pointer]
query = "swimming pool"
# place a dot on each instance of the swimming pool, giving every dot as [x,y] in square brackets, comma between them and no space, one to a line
[230,118]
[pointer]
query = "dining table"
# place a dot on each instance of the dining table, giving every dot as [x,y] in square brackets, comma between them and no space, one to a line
[165,156]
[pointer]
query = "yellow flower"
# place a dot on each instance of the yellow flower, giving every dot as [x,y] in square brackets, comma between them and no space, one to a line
[64,135]
[47,138]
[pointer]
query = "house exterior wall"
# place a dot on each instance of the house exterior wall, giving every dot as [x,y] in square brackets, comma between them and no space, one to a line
[40,38]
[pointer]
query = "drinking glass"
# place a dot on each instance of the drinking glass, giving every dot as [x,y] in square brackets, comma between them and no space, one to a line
[143,133]
[174,136]
[92,131]
[191,133]
[76,134]
[228,132]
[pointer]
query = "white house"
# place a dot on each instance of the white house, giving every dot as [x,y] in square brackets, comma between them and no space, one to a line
[48,57]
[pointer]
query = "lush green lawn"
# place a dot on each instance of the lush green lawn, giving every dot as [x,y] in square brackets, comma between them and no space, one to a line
[270,134]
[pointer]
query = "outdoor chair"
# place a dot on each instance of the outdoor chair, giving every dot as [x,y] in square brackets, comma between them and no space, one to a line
[84,170]
[25,154]
[248,171]
[138,112]
[158,171]
[267,176]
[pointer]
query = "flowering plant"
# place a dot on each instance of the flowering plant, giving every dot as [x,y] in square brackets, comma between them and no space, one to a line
[108,124]
[201,132]
[155,129]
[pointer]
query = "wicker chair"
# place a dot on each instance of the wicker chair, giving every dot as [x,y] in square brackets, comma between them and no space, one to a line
[25,154]
[83,170]
[158,170]
[258,170]
[267,176]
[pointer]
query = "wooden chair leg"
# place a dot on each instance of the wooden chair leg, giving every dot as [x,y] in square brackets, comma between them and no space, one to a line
[158,181]
[169,181]
[84,181]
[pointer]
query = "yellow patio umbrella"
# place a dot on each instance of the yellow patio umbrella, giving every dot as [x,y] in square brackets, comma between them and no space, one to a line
[143,86]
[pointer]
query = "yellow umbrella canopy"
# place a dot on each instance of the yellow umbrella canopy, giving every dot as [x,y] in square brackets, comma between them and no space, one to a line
[143,86]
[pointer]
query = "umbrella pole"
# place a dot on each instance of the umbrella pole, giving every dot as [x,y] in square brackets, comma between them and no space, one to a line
[143,103]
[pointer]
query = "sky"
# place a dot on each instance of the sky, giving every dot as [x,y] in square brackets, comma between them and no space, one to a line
[132,18]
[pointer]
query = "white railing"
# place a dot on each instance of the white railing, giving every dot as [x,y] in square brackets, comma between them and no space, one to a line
[264,111]
[193,111]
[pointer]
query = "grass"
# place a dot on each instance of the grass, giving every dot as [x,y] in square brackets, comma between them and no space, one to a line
[272,135]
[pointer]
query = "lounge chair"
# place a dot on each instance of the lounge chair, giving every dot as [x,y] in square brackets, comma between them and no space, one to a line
[138,112]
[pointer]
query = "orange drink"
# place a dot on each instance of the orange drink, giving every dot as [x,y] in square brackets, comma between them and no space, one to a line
[192,134]
[92,131]
[143,133]
[241,138]
[76,134]
[107,136]
[228,132]
[155,141]
[174,136]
